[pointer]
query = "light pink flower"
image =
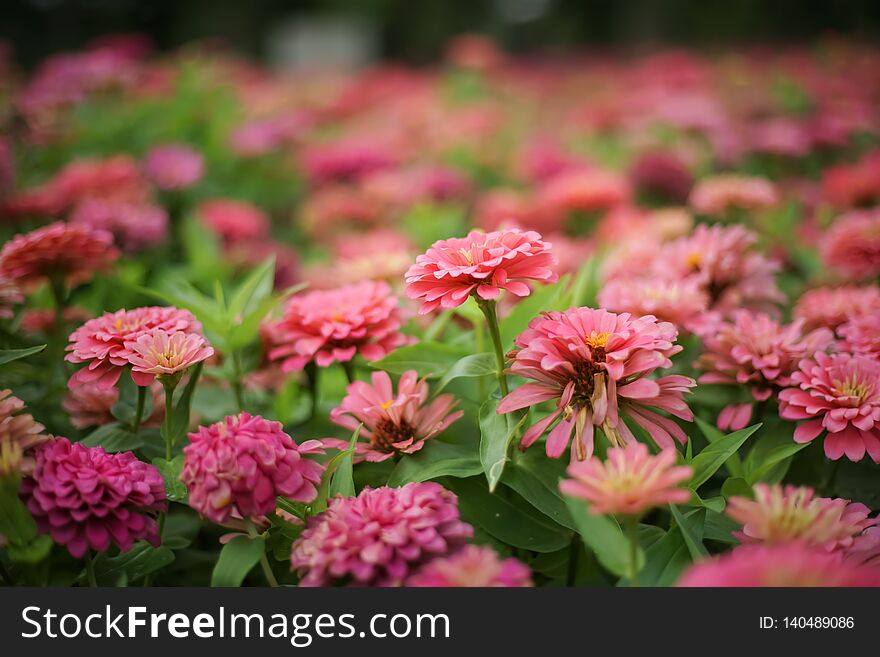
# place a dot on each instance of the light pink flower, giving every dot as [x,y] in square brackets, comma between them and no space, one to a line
[595,364]
[681,302]
[237,467]
[852,246]
[393,423]
[582,191]
[159,353]
[472,566]
[718,195]
[134,226]
[378,255]
[379,537]
[233,220]
[861,335]
[90,405]
[10,295]
[482,264]
[833,306]
[838,394]
[174,166]
[19,435]
[327,326]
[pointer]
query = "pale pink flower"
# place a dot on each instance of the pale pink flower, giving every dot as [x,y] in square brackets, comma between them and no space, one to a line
[393,423]
[681,302]
[10,295]
[833,306]
[90,405]
[630,482]
[378,255]
[233,220]
[838,394]
[134,226]
[174,166]
[718,195]
[19,435]
[582,191]
[861,335]
[482,264]
[159,353]
[472,566]
[596,365]
[852,246]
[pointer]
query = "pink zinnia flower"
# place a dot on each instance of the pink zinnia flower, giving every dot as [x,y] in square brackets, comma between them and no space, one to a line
[853,185]
[596,365]
[174,166]
[327,326]
[10,295]
[163,354]
[482,264]
[720,194]
[758,352]
[344,161]
[134,226]
[101,342]
[861,335]
[19,435]
[72,252]
[472,566]
[582,191]
[681,302]
[852,246]
[664,174]
[379,537]
[85,498]
[630,482]
[238,466]
[790,564]
[90,405]
[393,423]
[115,178]
[838,394]
[833,306]
[233,220]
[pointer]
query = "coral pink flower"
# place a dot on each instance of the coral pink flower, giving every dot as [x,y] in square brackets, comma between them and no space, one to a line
[10,296]
[343,161]
[758,352]
[116,178]
[238,466]
[393,423]
[379,537]
[163,354]
[472,566]
[174,166]
[791,564]
[861,335]
[85,498]
[681,302]
[583,191]
[38,321]
[784,514]
[853,185]
[19,435]
[100,342]
[72,252]
[852,246]
[718,195]
[833,306]
[630,482]
[378,255]
[482,264]
[89,405]
[233,220]
[327,326]
[596,365]
[838,394]
[134,227]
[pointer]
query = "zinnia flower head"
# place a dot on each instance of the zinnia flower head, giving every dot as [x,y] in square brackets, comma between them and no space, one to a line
[393,423]
[718,195]
[326,326]
[662,174]
[786,565]
[234,220]
[781,514]
[174,166]
[680,301]
[238,466]
[472,566]
[861,335]
[163,354]
[19,435]
[853,185]
[852,246]
[630,482]
[85,498]
[838,394]
[833,306]
[134,226]
[71,252]
[90,405]
[101,342]
[10,295]
[379,537]
[482,264]
[596,365]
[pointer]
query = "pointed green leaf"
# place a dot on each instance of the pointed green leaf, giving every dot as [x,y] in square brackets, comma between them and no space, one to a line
[710,460]
[436,459]
[237,559]
[9,355]
[604,536]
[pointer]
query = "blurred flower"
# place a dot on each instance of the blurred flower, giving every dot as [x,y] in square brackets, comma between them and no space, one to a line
[393,424]
[840,394]
[378,255]
[19,435]
[580,192]
[852,246]
[174,166]
[233,220]
[681,302]
[10,296]
[861,335]
[89,405]
[595,364]
[36,321]
[472,566]
[7,167]
[240,465]
[116,178]
[134,227]
[833,306]
[162,354]
[718,195]
[663,174]
[474,52]
[630,482]
[482,264]
[571,253]
[853,185]
[262,136]
[345,161]
[504,208]
[379,537]
[327,326]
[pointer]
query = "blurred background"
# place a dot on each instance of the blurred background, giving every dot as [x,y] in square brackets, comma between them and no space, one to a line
[347,33]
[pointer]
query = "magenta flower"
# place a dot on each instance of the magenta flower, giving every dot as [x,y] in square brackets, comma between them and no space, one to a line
[852,246]
[861,335]
[630,482]
[718,195]
[85,498]
[327,326]
[596,364]
[472,566]
[482,264]
[162,354]
[237,467]
[380,537]
[174,166]
[101,342]
[833,306]
[393,423]
[838,395]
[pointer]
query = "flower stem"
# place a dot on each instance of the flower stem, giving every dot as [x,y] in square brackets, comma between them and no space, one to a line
[573,554]
[264,562]
[348,366]
[169,412]
[59,297]
[632,527]
[488,308]
[311,370]
[139,412]
[90,570]
[236,382]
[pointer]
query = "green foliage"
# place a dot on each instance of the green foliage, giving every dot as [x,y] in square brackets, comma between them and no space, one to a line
[237,559]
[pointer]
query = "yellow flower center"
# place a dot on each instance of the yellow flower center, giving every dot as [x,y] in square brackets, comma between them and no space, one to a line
[694,260]
[597,340]
[386,405]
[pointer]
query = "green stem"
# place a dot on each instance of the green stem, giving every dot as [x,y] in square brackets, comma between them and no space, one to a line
[348,366]
[573,555]
[90,570]
[59,297]
[236,382]
[139,412]
[264,562]
[488,308]
[168,420]
[480,338]
[312,377]
[632,527]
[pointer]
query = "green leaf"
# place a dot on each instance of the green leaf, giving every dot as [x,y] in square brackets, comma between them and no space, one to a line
[32,552]
[736,486]
[713,435]
[342,482]
[468,367]
[496,432]
[180,418]
[604,536]
[125,407]
[139,561]
[539,486]
[175,489]
[428,359]
[436,459]
[542,299]
[237,558]
[114,437]
[256,286]
[768,454]
[665,559]
[710,459]
[9,355]
[691,527]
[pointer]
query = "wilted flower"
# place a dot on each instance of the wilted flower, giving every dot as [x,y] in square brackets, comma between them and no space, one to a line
[174,166]
[720,194]
[852,246]
[379,537]
[861,335]
[238,467]
[833,306]
[85,498]
[233,220]
[134,226]
[630,482]
[19,435]
[393,424]
[163,354]
[838,394]
[472,566]
[596,365]
[482,264]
